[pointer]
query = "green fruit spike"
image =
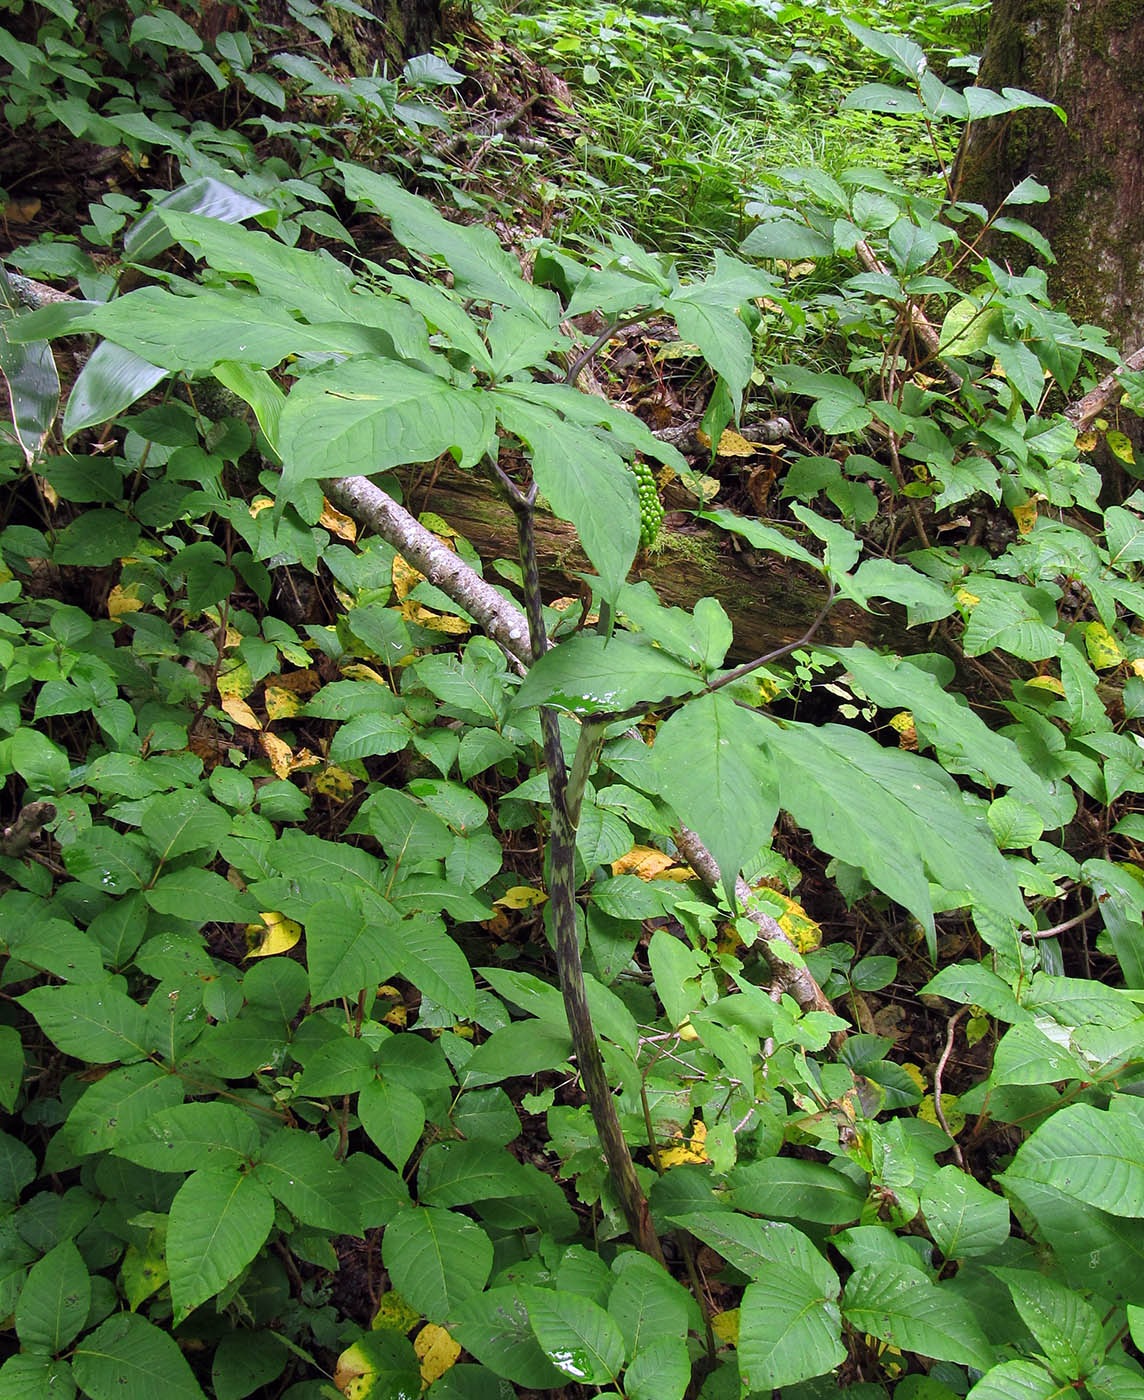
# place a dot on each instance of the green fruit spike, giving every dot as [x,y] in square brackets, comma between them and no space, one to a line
[651,509]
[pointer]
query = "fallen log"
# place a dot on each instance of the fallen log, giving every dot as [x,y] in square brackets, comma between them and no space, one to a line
[770,601]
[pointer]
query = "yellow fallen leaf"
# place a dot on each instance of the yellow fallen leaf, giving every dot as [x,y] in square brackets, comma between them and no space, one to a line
[733,444]
[394,1314]
[405,577]
[337,523]
[278,752]
[123,600]
[725,1325]
[691,1149]
[686,1031]
[259,504]
[282,703]
[1102,647]
[645,861]
[521,897]
[240,712]
[1137,666]
[436,1350]
[1047,683]
[359,671]
[1086,441]
[965,599]
[275,934]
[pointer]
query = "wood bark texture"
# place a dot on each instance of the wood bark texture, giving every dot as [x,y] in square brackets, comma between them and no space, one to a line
[1087,56]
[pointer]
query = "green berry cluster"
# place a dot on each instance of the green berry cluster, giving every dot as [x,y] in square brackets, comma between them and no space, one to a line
[651,508]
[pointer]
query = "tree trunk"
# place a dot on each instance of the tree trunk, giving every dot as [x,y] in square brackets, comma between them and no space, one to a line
[415,25]
[1088,57]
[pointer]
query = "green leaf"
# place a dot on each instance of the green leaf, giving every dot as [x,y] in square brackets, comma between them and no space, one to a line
[128,1358]
[367,415]
[646,1303]
[29,371]
[901,1307]
[434,964]
[36,1376]
[1089,1154]
[11,1066]
[787,239]
[894,815]
[220,1219]
[394,1118]
[96,537]
[576,1335]
[54,1301]
[584,480]
[179,822]
[494,1326]
[112,379]
[458,1173]
[246,1362]
[801,1190]
[92,1021]
[192,1135]
[963,1217]
[207,897]
[1067,1329]
[661,1371]
[715,769]
[303,1174]
[369,736]
[589,674]
[789,1326]
[522,1047]
[436,1260]
[348,948]
[166,28]
[379,1365]
[116,1105]
[480,265]
[206,196]
[1018,1380]
[903,54]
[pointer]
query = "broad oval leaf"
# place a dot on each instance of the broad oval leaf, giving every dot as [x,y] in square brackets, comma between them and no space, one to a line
[437,1260]
[220,1218]
[589,675]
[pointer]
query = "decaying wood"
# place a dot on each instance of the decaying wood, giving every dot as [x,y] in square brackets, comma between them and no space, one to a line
[1082,413]
[770,601]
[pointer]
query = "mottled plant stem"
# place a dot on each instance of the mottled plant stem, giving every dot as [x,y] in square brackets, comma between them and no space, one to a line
[566,792]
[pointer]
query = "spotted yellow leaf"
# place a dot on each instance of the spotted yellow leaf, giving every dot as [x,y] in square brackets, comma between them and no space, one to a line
[965,599]
[436,622]
[337,523]
[915,1074]
[359,671]
[903,722]
[259,504]
[954,1115]
[1120,445]
[1026,515]
[335,783]
[394,1314]
[1086,441]
[275,934]
[235,678]
[282,703]
[644,861]
[278,752]
[521,897]
[1047,683]
[725,1325]
[1102,647]
[733,444]
[436,1350]
[240,712]
[439,526]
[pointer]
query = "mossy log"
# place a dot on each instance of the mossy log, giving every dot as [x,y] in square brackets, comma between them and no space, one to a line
[770,601]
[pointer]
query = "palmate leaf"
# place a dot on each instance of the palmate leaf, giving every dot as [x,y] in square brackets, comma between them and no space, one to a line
[219,1220]
[897,817]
